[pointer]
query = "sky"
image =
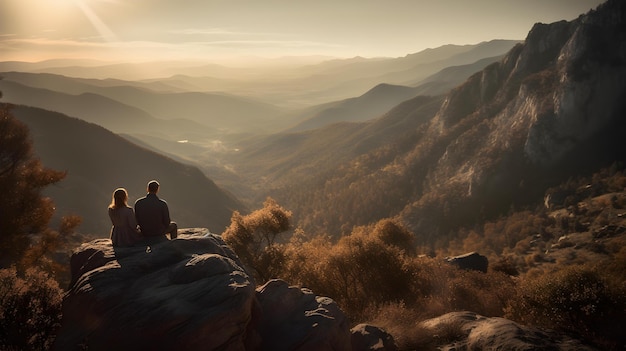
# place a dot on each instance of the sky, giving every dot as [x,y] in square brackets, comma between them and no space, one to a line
[229,30]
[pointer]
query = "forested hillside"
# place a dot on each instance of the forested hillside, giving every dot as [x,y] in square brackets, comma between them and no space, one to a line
[549,110]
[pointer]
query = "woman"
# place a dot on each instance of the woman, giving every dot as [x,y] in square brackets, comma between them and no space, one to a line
[124,231]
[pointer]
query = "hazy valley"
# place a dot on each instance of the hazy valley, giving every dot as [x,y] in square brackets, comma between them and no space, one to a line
[228,136]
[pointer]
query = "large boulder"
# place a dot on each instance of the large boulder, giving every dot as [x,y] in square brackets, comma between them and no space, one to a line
[191,293]
[471,331]
[470,261]
[295,318]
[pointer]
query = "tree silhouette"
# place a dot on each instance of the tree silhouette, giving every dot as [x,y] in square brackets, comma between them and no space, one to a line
[23,210]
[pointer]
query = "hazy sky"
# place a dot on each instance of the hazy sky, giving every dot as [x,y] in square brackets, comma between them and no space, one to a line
[211,30]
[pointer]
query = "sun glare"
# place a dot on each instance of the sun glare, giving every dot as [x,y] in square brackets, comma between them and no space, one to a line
[62,16]
[105,32]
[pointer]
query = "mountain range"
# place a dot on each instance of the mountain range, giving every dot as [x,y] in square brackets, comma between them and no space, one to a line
[516,122]
[551,109]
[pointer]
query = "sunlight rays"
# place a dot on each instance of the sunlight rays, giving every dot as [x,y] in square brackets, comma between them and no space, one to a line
[103,30]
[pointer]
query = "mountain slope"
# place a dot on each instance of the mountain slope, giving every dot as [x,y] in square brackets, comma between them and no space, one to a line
[98,161]
[551,109]
[293,164]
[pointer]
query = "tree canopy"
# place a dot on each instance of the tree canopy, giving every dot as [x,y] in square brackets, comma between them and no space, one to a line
[24,211]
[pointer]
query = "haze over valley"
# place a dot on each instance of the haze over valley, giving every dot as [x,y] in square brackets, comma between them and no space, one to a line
[214,130]
[263,129]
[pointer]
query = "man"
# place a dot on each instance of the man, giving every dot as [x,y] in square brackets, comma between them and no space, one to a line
[153,215]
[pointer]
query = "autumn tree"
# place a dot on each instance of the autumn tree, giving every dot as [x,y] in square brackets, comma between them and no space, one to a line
[24,212]
[30,300]
[253,238]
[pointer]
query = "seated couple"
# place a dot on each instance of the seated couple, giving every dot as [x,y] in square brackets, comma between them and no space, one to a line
[149,220]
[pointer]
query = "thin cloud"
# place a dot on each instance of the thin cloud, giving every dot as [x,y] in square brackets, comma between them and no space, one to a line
[222,32]
[44,48]
[266,43]
[209,31]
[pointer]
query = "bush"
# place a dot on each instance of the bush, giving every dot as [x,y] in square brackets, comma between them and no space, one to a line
[30,310]
[576,300]
[360,271]
[253,238]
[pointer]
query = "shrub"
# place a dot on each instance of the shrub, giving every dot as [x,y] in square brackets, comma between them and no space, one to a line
[30,310]
[576,299]
[361,270]
[253,238]
[484,293]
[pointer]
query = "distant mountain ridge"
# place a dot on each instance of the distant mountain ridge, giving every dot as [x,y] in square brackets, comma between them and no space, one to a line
[208,110]
[288,86]
[101,110]
[380,99]
[372,104]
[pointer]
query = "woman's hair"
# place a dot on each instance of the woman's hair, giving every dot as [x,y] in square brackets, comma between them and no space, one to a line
[120,196]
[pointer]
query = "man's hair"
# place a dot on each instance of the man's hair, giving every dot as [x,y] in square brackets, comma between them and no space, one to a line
[153,186]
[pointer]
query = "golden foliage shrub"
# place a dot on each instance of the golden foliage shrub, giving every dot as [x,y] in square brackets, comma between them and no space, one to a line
[364,269]
[372,267]
[576,299]
[253,238]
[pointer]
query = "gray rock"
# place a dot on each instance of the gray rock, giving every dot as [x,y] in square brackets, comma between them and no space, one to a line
[366,337]
[296,319]
[461,331]
[186,294]
[470,261]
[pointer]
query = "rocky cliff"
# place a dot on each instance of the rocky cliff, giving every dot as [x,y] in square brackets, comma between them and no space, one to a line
[552,108]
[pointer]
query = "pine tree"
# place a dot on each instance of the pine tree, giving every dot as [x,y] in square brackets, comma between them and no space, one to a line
[23,209]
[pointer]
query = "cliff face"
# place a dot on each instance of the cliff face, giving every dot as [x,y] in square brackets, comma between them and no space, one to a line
[561,87]
[552,108]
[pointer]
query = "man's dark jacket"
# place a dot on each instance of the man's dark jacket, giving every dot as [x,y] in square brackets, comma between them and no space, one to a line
[153,215]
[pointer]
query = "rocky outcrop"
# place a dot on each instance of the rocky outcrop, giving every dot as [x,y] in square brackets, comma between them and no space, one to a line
[469,331]
[186,294]
[470,261]
[191,293]
[295,318]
